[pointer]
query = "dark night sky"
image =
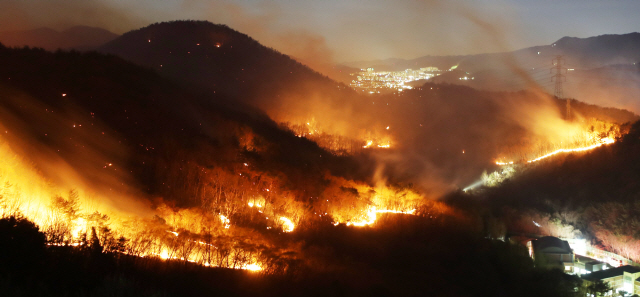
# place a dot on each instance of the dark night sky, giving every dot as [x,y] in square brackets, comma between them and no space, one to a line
[349,30]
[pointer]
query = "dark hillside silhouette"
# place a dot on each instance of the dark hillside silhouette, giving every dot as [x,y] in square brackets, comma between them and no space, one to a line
[222,60]
[386,261]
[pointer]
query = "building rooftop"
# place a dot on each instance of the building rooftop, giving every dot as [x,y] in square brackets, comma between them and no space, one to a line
[550,244]
[587,260]
[613,272]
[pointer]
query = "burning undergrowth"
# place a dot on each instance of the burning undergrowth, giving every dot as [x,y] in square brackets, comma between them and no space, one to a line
[239,217]
[91,155]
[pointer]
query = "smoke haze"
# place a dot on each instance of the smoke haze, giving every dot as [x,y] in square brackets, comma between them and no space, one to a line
[403,29]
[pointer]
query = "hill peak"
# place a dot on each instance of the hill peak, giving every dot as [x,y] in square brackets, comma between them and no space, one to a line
[629,37]
[218,59]
[186,30]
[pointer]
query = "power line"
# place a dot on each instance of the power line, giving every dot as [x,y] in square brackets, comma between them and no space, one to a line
[559,78]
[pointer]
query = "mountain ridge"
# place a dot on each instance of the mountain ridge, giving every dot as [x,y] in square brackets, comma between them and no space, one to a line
[564,41]
[78,37]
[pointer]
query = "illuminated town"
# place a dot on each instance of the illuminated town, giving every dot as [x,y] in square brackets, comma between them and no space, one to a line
[371,81]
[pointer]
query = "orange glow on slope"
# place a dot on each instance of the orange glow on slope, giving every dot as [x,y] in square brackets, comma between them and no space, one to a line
[68,218]
[337,142]
[203,234]
[558,137]
[64,215]
[360,204]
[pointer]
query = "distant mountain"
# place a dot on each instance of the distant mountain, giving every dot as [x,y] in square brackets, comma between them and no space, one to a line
[78,37]
[589,52]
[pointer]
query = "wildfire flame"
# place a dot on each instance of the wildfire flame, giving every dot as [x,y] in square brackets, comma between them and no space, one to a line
[580,149]
[287,225]
[252,267]
[603,141]
[195,235]
[371,216]
[339,143]
[225,221]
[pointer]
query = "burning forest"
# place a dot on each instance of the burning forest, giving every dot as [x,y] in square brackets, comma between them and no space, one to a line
[187,151]
[227,213]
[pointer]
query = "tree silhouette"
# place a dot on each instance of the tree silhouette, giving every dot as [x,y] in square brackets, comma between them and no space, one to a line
[21,245]
[599,288]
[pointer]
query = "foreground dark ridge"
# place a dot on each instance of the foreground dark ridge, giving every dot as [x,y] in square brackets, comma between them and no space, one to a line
[389,261]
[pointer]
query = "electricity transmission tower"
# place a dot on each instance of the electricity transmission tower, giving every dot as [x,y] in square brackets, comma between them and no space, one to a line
[559,78]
